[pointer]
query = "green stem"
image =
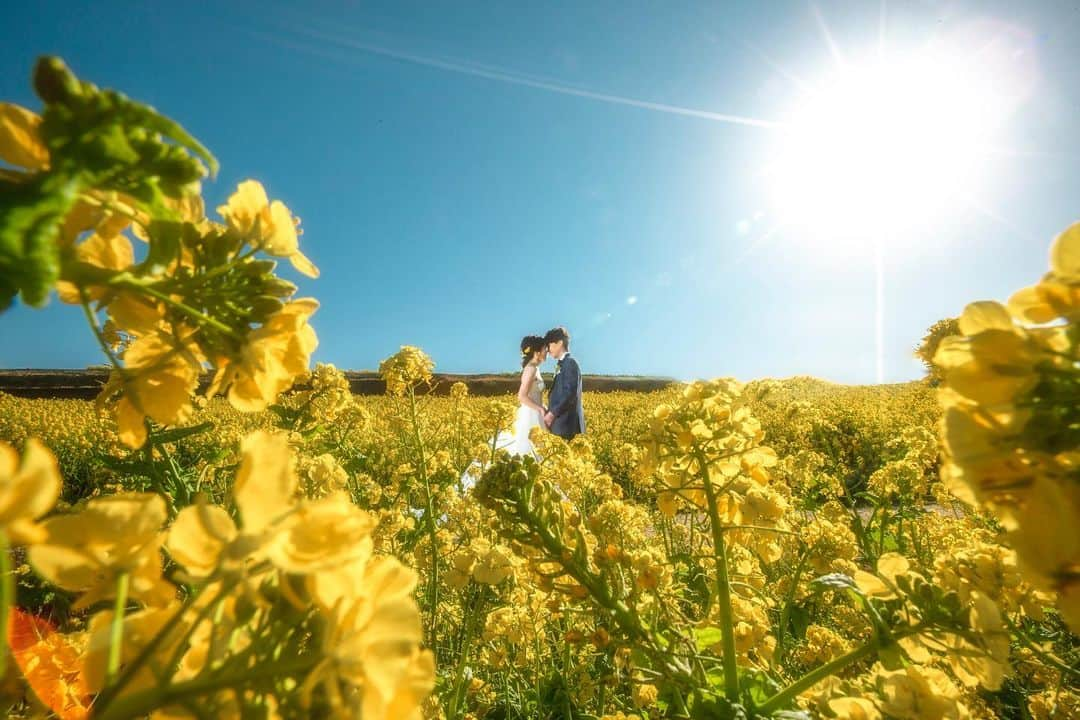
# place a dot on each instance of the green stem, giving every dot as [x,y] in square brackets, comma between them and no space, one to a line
[627,620]
[680,704]
[96,327]
[116,634]
[7,598]
[142,703]
[785,613]
[429,519]
[475,612]
[124,280]
[884,525]
[807,681]
[131,668]
[723,587]
[1039,653]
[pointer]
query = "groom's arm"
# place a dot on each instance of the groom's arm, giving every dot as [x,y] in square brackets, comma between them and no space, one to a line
[569,375]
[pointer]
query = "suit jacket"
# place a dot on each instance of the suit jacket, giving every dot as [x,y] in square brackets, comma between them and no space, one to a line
[564,402]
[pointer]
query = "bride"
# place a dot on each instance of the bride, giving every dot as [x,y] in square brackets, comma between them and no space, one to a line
[530,412]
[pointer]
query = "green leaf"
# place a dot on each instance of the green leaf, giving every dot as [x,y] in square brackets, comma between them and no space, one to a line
[757,686]
[891,656]
[177,434]
[707,637]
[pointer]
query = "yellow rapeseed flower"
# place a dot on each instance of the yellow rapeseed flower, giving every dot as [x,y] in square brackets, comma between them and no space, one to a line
[198,536]
[20,139]
[373,644]
[87,551]
[301,537]
[159,375]
[890,566]
[249,210]
[274,355]
[919,693]
[852,708]
[266,482]
[408,367]
[321,534]
[28,490]
[1065,254]
[107,252]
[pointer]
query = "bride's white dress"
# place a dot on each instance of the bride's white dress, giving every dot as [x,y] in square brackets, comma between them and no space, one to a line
[515,441]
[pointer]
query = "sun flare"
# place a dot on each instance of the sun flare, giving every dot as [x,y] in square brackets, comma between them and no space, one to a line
[886,140]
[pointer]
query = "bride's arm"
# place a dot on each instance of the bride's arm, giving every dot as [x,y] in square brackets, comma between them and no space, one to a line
[527,376]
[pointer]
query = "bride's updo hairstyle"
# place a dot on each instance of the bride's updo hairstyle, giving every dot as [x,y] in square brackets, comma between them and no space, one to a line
[530,345]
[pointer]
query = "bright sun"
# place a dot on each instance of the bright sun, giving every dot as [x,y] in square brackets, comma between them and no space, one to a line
[884,142]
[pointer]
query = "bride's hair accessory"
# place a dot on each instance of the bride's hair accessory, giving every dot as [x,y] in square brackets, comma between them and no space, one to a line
[530,345]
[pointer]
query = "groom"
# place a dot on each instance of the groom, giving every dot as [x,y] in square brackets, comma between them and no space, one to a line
[565,416]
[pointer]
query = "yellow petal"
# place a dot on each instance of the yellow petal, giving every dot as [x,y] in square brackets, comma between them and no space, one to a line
[244,206]
[322,534]
[915,649]
[1030,304]
[140,628]
[9,460]
[1065,253]
[114,253]
[134,313]
[266,482]
[345,582]
[389,628]
[850,708]
[32,491]
[1045,532]
[20,139]
[984,315]
[279,233]
[66,567]
[246,394]
[415,684]
[303,265]
[85,551]
[109,252]
[164,377]
[892,565]
[197,537]
[872,586]
[130,423]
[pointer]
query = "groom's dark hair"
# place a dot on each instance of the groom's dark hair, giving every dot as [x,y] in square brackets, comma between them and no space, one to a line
[557,334]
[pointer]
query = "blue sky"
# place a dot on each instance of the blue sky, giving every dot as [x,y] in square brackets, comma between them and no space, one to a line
[471,172]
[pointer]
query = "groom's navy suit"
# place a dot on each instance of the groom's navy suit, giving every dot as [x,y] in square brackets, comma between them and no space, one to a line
[564,402]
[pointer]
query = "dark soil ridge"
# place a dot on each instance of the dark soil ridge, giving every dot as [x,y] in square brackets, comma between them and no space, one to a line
[85,384]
